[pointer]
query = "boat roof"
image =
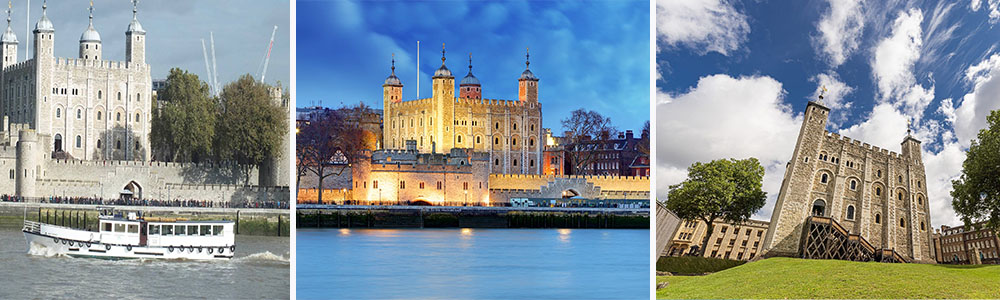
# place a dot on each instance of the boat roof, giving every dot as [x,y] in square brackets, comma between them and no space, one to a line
[167,221]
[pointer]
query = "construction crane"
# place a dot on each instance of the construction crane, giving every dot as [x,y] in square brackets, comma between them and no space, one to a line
[215,68]
[267,57]
[208,70]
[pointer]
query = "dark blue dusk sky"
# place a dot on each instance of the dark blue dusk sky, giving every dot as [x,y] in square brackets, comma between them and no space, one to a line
[735,77]
[587,54]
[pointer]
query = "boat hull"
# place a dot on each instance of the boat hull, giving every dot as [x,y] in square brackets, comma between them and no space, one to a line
[56,246]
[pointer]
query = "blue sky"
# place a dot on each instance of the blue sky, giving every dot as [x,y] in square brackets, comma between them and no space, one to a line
[587,54]
[174,30]
[735,76]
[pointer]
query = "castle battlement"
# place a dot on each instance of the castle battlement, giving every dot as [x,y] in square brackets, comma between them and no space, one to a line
[420,167]
[90,63]
[554,177]
[875,150]
[27,64]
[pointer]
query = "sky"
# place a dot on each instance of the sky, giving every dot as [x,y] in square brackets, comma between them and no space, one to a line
[734,77]
[174,30]
[587,54]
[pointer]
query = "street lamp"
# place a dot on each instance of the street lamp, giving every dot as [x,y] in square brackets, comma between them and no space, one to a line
[466,198]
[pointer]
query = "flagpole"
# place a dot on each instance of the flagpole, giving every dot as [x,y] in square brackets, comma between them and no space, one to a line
[418,69]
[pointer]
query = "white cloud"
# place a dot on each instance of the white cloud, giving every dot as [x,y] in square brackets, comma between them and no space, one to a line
[892,66]
[840,30]
[941,168]
[970,116]
[725,117]
[975,5]
[885,128]
[702,25]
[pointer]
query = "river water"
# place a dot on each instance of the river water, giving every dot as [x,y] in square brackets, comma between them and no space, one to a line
[472,263]
[260,270]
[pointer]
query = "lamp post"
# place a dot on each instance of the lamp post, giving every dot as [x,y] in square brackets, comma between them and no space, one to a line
[466,198]
[380,195]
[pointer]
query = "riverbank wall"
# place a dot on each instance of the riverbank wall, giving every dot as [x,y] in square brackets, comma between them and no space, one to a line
[343,216]
[249,221]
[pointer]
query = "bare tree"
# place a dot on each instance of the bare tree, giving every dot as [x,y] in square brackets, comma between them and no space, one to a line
[586,131]
[330,142]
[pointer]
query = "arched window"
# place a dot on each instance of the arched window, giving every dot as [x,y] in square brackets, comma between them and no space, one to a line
[58,112]
[513,141]
[515,126]
[902,222]
[459,139]
[496,162]
[78,142]
[138,97]
[515,162]
[878,219]
[920,200]
[824,178]
[496,141]
[922,226]
[878,173]
[854,184]
[118,116]
[477,140]
[878,191]
[79,113]
[118,144]
[137,145]
[899,196]
[98,115]
[850,212]
[58,142]
[819,207]
[900,179]
[98,144]
[119,95]
[137,117]
[531,163]
[99,94]
[531,142]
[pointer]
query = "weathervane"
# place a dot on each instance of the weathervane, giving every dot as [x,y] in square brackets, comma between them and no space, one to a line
[442,54]
[909,126]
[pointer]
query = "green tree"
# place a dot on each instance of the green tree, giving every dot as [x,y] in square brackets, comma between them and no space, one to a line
[726,190]
[250,126]
[976,194]
[183,128]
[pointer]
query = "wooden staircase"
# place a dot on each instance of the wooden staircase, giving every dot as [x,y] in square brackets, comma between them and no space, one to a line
[824,238]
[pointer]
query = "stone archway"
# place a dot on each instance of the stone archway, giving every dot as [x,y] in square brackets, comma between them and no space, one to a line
[819,208]
[421,202]
[58,143]
[132,190]
[570,193]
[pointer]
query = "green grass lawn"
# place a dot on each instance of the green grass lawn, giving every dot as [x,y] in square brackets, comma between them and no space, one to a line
[801,278]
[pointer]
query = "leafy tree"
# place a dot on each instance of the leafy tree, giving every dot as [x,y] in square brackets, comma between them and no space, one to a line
[585,131]
[250,126]
[184,127]
[976,194]
[726,190]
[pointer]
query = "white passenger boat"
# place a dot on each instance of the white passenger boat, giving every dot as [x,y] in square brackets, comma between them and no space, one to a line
[132,236]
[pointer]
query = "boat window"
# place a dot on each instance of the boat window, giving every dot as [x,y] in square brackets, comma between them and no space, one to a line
[179,230]
[217,230]
[154,229]
[206,230]
[132,228]
[119,227]
[168,229]
[192,229]
[106,227]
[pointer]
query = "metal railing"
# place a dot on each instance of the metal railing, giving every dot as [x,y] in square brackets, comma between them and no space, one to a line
[32,226]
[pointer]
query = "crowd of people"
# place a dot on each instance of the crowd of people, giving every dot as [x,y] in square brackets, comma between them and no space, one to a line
[146,202]
[541,203]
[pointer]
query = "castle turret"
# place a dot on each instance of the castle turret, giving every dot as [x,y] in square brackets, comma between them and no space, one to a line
[469,87]
[28,159]
[392,92]
[44,42]
[527,85]
[90,40]
[9,42]
[911,147]
[440,123]
[135,42]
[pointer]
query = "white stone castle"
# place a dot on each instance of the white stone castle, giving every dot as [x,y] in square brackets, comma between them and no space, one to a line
[92,108]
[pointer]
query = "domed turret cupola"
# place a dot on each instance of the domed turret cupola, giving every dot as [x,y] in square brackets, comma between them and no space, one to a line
[443,71]
[44,24]
[392,89]
[90,40]
[443,84]
[469,86]
[527,85]
[9,41]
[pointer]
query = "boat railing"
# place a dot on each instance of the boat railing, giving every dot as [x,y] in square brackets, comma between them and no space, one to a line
[32,226]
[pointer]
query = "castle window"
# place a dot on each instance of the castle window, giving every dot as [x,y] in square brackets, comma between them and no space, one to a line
[878,191]
[918,183]
[515,126]
[531,142]
[854,184]
[119,96]
[850,212]
[496,162]
[902,222]
[824,178]
[819,207]
[922,228]
[98,144]
[98,115]
[878,173]
[531,163]
[439,185]
[79,113]
[513,141]
[118,116]
[477,140]
[421,185]
[78,142]
[58,113]
[724,229]
[807,159]
[460,139]
[532,127]
[515,162]
[138,97]
[402,185]
[900,179]
[374,184]
[137,117]
[878,219]
[137,145]
[497,126]
[496,141]
[900,196]
[118,144]
[920,200]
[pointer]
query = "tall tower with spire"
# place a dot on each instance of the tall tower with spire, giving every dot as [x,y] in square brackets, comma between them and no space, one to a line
[469,87]
[135,42]
[90,40]
[443,100]
[9,41]
[44,43]
[527,85]
[392,92]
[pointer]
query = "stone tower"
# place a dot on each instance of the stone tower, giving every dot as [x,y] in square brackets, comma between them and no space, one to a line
[44,42]
[9,42]
[392,92]
[443,100]
[135,42]
[90,40]
[527,85]
[469,87]
[29,155]
[872,192]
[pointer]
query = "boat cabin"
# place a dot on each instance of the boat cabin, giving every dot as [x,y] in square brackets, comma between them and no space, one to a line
[133,229]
